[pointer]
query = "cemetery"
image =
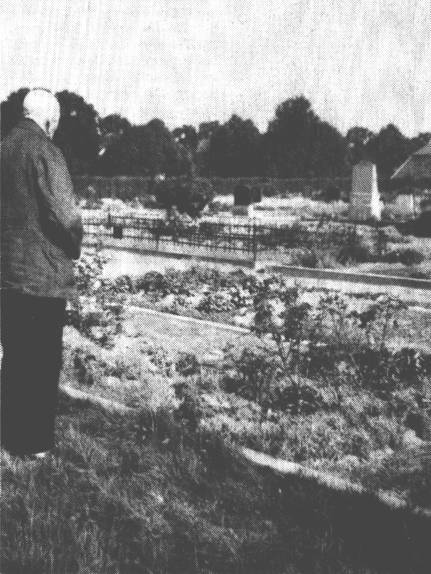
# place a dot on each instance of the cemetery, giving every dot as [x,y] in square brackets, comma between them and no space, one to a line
[239,420]
[245,369]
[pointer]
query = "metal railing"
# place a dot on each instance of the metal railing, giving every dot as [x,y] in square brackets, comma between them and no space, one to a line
[248,238]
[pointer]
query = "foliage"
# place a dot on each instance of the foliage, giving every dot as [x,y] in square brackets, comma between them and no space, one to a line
[188,195]
[187,136]
[148,149]
[234,149]
[331,193]
[88,272]
[389,149]
[11,110]
[407,256]
[251,373]
[299,144]
[187,365]
[77,134]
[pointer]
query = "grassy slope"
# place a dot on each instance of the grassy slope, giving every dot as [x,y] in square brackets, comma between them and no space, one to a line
[136,493]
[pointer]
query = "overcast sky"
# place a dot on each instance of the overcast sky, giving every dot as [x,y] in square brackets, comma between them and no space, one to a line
[360,62]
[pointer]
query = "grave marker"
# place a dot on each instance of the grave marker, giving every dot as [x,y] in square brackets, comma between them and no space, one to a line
[405,204]
[365,197]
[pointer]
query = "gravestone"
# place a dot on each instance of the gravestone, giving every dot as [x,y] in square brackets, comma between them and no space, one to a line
[242,201]
[365,197]
[405,203]
[242,195]
[256,194]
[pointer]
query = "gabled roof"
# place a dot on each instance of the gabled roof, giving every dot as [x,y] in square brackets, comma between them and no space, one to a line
[426,150]
[417,166]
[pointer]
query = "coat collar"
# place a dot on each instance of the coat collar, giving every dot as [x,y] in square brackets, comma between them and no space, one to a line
[31,125]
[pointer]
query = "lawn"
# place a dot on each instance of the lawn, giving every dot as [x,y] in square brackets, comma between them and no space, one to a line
[146,493]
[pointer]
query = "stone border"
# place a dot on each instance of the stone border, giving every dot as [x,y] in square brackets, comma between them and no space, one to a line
[185,319]
[349,276]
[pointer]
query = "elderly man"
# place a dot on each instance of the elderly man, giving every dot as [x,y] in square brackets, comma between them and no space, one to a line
[41,233]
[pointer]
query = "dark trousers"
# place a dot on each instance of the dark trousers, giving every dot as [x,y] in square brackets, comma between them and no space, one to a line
[31,336]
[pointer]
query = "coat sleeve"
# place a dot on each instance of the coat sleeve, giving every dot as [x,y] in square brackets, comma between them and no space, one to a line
[59,214]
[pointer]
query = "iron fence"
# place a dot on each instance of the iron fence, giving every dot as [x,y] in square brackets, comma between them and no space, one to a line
[249,238]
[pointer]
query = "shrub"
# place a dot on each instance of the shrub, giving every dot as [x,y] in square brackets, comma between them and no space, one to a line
[153,281]
[215,302]
[406,256]
[252,373]
[187,365]
[354,253]
[188,195]
[88,271]
[296,400]
[306,258]
[331,193]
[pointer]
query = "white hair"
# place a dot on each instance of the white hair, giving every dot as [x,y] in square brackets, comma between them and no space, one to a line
[42,107]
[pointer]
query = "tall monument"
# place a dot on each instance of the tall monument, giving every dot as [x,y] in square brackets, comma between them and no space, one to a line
[365,197]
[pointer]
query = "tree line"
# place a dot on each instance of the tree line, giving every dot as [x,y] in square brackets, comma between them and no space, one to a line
[296,144]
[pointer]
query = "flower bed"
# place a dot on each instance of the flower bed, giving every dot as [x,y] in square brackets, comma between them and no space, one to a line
[319,381]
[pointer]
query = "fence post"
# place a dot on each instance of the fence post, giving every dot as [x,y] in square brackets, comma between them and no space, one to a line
[254,242]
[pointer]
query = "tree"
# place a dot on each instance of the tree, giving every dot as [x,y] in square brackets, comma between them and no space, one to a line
[290,136]
[207,129]
[113,127]
[299,144]
[148,149]
[389,149]
[77,134]
[234,149]
[11,110]
[205,132]
[328,152]
[186,136]
[357,142]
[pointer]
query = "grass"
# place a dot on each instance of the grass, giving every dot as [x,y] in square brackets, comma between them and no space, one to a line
[149,493]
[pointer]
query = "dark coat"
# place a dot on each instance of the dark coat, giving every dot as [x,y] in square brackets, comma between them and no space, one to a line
[41,226]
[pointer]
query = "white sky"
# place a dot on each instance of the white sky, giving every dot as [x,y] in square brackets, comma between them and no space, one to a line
[360,62]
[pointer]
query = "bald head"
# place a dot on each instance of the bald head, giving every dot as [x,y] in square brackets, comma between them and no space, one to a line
[42,107]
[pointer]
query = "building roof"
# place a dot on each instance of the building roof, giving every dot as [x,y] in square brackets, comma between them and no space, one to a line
[426,150]
[417,166]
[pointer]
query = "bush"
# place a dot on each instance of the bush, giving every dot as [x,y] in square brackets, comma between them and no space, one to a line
[187,365]
[188,195]
[354,253]
[406,256]
[153,281]
[296,400]
[252,373]
[88,271]
[331,193]
[306,258]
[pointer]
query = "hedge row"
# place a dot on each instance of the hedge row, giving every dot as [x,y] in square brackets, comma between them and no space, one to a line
[129,187]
